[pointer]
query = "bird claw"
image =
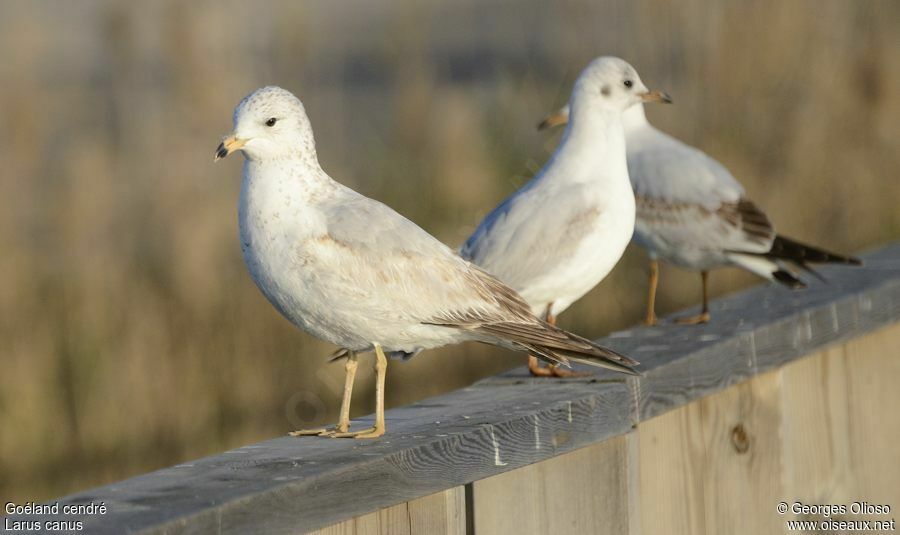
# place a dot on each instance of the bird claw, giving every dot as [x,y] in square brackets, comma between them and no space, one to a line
[552,370]
[320,432]
[694,320]
[371,432]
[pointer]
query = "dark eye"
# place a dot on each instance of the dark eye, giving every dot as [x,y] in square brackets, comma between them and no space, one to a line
[628,83]
[271,121]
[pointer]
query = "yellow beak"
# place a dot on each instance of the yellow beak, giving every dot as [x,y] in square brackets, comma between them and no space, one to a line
[227,146]
[656,96]
[555,119]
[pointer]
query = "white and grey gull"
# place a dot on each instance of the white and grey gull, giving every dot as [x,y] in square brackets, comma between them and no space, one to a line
[560,234]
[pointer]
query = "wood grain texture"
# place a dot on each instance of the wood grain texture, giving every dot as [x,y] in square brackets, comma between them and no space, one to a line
[509,421]
[816,432]
[873,366]
[817,442]
[714,465]
[584,491]
[442,513]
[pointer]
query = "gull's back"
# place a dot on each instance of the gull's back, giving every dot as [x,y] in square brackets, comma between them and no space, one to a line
[690,210]
[665,169]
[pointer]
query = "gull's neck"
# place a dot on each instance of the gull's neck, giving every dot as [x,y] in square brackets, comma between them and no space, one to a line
[634,118]
[591,149]
[302,178]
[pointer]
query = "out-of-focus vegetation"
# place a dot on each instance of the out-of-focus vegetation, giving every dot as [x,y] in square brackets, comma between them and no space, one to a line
[132,338]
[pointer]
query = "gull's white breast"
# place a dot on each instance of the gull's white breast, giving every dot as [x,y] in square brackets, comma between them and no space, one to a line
[344,268]
[561,234]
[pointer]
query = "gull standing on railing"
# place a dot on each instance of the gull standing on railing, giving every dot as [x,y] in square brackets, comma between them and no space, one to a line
[350,270]
[561,233]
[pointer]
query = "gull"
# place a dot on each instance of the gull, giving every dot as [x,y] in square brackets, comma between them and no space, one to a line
[352,271]
[562,232]
[693,213]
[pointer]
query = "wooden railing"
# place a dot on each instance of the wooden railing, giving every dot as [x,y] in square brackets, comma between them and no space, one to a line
[786,396]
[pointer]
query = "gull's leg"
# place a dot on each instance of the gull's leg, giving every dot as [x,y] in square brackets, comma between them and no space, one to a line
[651,295]
[703,317]
[344,420]
[378,429]
[552,370]
[534,365]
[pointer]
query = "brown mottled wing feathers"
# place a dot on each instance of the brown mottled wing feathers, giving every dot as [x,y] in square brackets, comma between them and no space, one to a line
[513,321]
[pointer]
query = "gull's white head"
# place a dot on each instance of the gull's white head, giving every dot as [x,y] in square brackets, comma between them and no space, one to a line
[610,83]
[270,123]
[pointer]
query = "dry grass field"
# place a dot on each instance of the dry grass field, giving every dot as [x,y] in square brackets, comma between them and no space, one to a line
[131,336]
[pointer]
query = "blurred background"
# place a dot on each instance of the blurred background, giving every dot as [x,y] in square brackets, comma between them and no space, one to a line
[132,338]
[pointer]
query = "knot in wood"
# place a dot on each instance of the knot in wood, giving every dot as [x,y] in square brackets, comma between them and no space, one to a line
[740,439]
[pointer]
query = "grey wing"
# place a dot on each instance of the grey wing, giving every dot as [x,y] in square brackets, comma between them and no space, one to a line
[369,225]
[732,227]
[397,268]
[429,284]
[663,168]
[510,321]
[686,198]
[531,234]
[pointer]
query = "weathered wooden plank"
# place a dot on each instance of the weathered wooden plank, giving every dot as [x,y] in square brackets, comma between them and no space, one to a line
[442,513]
[816,417]
[753,332]
[305,484]
[714,465]
[742,473]
[288,485]
[561,495]
[873,383]
[671,449]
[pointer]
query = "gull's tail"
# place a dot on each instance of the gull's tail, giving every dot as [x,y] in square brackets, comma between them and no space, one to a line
[785,253]
[802,254]
[587,352]
[557,346]
[510,323]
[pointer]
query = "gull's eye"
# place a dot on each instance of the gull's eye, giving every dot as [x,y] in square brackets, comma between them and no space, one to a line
[271,121]
[628,83]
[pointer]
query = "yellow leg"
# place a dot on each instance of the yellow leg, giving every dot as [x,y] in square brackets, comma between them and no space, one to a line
[553,370]
[344,420]
[343,424]
[651,293]
[378,429]
[703,317]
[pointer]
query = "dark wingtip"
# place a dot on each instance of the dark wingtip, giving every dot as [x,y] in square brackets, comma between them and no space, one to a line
[786,278]
[339,354]
[787,249]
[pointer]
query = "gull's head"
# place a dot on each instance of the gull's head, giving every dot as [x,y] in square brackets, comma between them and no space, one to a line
[270,123]
[609,83]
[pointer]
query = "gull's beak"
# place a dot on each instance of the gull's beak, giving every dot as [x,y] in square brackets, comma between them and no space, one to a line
[656,96]
[227,146]
[557,118]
